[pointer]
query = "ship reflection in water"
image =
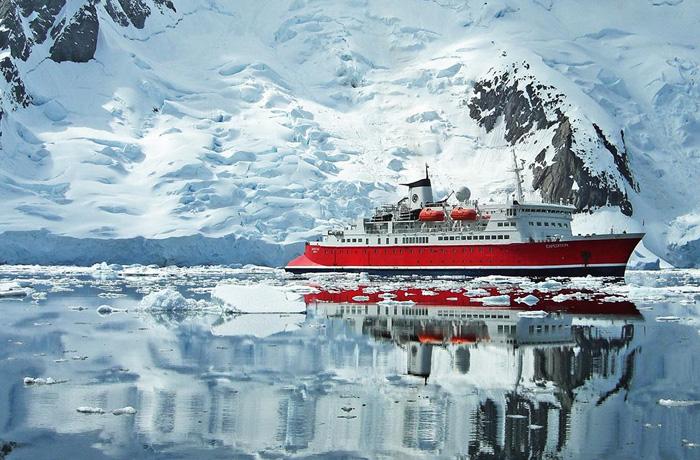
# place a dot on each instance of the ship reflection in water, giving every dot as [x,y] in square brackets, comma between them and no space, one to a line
[368,372]
[523,367]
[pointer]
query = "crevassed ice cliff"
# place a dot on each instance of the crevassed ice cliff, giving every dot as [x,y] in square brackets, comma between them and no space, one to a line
[173,131]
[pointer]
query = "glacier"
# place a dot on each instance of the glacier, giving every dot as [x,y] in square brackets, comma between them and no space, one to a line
[213,132]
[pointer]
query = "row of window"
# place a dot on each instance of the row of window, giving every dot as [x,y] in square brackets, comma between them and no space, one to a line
[506,224]
[462,314]
[475,237]
[547,211]
[549,224]
[424,239]
[507,329]
[411,239]
[539,328]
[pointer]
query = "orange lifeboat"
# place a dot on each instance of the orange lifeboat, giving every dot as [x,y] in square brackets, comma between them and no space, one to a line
[432,339]
[431,215]
[463,214]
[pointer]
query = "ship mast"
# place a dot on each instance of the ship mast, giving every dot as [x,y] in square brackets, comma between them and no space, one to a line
[518,178]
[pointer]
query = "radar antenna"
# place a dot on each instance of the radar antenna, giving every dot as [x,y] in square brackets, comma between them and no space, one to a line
[518,179]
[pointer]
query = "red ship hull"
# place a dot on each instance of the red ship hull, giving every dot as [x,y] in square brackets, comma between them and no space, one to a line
[597,256]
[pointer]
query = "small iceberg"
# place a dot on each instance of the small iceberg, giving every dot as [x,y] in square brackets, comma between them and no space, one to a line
[28,381]
[128,410]
[13,289]
[494,300]
[677,402]
[668,319]
[169,299]
[528,300]
[533,314]
[90,410]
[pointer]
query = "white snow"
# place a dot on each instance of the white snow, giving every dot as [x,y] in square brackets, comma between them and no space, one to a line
[258,298]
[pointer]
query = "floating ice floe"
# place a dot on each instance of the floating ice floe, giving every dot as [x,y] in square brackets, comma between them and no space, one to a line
[360,298]
[105,310]
[13,289]
[533,314]
[90,410]
[41,381]
[528,300]
[668,319]
[494,300]
[391,303]
[677,402]
[258,298]
[128,410]
[478,292]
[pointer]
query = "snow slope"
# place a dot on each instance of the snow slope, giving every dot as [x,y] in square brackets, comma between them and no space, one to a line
[271,121]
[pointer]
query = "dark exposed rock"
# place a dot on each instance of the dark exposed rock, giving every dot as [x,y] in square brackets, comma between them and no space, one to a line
[165,3]
[45,13]
[17,91]
[12,34]
[538,107]
[116,13]
[6,448]
[77,42]
[137,11]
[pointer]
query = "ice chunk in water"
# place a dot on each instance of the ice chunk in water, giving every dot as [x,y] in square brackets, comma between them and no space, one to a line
[90,410]
[528,300]
[128,410]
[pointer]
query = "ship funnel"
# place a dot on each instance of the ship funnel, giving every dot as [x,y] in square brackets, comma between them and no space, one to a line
[420,192]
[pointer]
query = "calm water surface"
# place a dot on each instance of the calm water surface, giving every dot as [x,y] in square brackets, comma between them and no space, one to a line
[376,368]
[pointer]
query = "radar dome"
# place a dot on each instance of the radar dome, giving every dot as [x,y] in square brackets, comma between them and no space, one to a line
[463,194]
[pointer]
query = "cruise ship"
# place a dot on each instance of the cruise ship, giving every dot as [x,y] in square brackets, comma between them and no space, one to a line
[419,235]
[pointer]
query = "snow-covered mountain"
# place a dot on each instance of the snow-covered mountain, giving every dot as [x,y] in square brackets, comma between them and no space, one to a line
[137,128]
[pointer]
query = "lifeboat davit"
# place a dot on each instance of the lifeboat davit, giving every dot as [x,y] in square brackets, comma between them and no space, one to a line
[463,214]
[431,215]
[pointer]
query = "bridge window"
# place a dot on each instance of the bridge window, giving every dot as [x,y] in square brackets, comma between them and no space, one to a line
[452,238]
[532,224]
[481,237]
[506,236]
[546,224]
[464,237]
[500,224]
[500,237]
[439,238]
[539,224]
[469,237]
[512,224]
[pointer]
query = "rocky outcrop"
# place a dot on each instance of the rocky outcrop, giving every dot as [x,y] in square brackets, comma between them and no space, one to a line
[526,107]
[77,41]
[16,91]
[73,37]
